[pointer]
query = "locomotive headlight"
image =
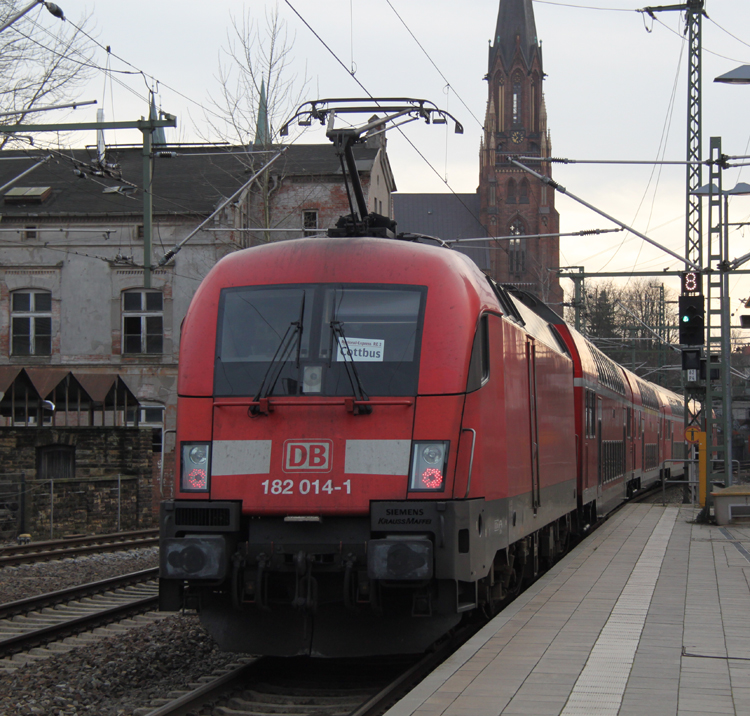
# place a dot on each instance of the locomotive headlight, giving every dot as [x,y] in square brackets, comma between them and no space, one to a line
[429,461]
[198,454]
[433,454]
[194,467]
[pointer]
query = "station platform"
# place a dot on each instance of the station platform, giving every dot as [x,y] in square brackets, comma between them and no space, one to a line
[649,616]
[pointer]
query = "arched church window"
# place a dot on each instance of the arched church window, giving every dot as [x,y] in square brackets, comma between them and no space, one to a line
[516,100]
[500,108]
[523,192]
[516,248]
[510,197]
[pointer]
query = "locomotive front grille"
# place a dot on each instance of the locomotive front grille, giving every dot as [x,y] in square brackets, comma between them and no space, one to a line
[199,516]
[202,517]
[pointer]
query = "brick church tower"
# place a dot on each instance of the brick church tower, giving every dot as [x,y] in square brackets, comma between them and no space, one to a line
[512,202]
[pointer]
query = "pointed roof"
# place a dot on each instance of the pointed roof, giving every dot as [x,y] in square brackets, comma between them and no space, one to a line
[262,133]
[514,18]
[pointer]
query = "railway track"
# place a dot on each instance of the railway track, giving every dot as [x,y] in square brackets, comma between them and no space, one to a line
[13,555]
[304,686]
[28,624]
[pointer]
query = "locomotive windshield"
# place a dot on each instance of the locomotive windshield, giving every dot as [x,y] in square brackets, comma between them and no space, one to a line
[305,335]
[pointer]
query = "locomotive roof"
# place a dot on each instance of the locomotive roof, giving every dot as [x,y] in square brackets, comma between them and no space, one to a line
[458,293]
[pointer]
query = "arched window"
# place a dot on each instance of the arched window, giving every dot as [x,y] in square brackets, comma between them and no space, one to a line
[523,192]
[142,322]
[31,321]
[517,248]
[500,119]
[516,115]
[510,197]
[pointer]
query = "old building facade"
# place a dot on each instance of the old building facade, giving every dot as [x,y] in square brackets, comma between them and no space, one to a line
[83,342]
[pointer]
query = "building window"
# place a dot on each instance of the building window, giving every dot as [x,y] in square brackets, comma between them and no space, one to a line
[516,249]
[516,101]
[310,222]
[523,192]
[510,197]
[31,320]
[142,322]
[149,416]
[491,194]
[30,232]
[56,462]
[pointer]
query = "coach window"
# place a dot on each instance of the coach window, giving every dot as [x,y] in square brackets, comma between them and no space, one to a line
[589,404]
[630,420]
[31,321]
[142,322]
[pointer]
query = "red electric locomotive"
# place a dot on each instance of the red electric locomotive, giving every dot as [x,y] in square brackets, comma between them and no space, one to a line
[374,438]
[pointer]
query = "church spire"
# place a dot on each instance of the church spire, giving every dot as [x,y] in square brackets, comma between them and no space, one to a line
[515,29]
[262,133]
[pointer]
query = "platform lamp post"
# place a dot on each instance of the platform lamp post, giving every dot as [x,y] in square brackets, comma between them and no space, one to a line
[738,76]
[719,252]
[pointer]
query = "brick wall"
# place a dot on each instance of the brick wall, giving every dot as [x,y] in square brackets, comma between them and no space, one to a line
[89,501]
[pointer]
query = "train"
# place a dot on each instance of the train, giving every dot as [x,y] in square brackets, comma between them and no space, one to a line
[377,441]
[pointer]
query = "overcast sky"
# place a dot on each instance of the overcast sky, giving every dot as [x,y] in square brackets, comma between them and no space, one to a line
[615,89]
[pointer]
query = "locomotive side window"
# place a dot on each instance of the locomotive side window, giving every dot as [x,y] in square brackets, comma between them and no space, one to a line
[479,367]
[311,338]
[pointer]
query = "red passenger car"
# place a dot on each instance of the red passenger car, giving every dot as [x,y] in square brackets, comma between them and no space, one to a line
[375,439]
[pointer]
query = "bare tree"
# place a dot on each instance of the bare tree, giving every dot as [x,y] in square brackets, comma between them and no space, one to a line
[634,324]
[41,64]
[255,61]
[257,92]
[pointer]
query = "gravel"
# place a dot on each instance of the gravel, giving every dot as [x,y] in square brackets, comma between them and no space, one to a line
[30,580]
[116,675]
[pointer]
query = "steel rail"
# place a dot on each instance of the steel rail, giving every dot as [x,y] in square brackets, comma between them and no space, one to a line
[72,627]
[45,545]
[51,599]
[188,703]
[60,549]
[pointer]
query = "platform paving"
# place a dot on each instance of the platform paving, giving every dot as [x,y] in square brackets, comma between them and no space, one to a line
[649,616]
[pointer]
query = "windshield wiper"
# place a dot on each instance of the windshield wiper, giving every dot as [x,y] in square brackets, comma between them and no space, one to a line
[292,338]
[337,330]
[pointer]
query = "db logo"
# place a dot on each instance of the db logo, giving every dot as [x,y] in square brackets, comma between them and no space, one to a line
[302,455]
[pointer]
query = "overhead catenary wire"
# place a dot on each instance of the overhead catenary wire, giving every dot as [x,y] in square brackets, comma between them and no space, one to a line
[563,190]
[177,247]
[367,92]
[432,62]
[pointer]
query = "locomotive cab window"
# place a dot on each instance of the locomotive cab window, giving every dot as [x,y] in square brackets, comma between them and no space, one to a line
[319,340]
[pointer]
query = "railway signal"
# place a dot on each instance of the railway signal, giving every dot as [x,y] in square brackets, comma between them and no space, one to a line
[691,320]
